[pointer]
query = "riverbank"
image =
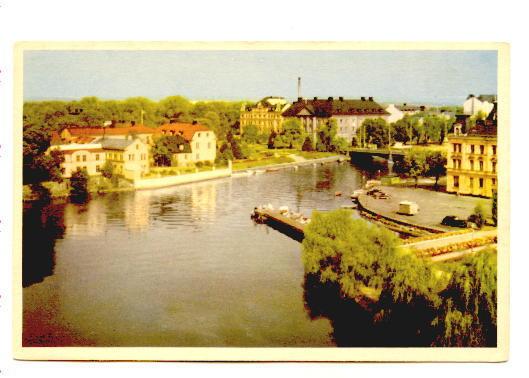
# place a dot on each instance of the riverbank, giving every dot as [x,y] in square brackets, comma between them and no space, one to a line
[100,185]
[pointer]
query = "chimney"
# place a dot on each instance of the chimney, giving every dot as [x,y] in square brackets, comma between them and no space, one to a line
[315,98]
[330,99]
[362,98]
[370,98]
[132,123]
[299,87]
[404,104]
[194,122]
[300,99]
[341,98]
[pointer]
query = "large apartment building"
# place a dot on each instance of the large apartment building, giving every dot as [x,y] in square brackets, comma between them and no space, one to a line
[266,114]
[349,114]
[472,158]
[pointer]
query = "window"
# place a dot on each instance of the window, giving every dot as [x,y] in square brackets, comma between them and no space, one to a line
[493,182]
[137,146]
[471,164]
[97,156]
[197,145]
[456,181]
[199,135]
[471,148]
[472,183]
[481,183]
[78,158]
[84,157]
[482,149]
[494,166]
[98,168]
[480,165]
[494,150]
[209,145]
[198,157]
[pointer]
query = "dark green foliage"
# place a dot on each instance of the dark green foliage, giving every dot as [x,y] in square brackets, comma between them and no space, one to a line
[307,144]
[79,185]
[376,294]
[435,165]
[107,170]
[272,139]
[377,131]
[494,209]
[468,316]
[250,134]
[166,146]
[326,136]
[478,216]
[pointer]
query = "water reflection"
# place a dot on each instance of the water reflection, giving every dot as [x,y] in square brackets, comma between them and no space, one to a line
[43,225]
[181,266]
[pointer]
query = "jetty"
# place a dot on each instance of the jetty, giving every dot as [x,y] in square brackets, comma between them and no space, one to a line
[282,222]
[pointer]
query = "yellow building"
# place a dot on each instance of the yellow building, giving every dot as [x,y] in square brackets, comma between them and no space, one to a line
[87,154]
[129,157]
[265,115]
[472,160]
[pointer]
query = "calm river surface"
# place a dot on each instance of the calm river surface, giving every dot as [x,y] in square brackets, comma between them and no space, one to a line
[180,266]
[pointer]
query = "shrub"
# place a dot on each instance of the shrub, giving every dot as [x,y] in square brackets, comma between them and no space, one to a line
[478,217]
[79,185]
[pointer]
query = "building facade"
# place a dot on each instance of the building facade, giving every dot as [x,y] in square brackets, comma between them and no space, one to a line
[89,156]
[266,115]
[129,157]
[201,139]
[472,159]
[348,114]
[139,131]
[483,103]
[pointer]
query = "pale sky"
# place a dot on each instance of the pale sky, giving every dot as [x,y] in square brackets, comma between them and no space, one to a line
[430,77]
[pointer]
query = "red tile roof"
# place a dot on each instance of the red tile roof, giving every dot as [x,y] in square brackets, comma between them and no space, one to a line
[187,130]
[139,129]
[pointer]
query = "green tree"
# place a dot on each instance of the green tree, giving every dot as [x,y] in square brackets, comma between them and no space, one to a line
[468,316]
[435,165]
[326,135]
[377,131]
[292,134]
[478,216]
[271,139]
[107,170]
[79,185]
[307,144]
[250,134]
[494,209]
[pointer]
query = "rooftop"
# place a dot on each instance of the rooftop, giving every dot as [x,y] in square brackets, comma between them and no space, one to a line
[329,107]
[187,130]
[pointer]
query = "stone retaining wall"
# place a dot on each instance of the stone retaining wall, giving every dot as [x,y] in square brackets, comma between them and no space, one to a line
[161,182]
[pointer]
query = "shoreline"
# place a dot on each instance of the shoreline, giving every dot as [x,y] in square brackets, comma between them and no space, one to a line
[190,178]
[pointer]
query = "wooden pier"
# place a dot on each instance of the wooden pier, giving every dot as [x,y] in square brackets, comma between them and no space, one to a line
[280,222]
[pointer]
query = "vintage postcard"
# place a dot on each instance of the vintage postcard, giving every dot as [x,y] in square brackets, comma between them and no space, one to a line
[262,201]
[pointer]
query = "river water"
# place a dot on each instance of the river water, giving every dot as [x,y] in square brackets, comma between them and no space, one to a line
[180,266]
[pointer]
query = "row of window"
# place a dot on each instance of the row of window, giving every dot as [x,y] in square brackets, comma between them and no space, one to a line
[197,145]
[456,164]
[474,149]
[79,158]
[472,182]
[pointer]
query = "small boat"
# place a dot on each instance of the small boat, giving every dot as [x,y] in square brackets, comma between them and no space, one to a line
[272,169]
[338,194]
[259,171]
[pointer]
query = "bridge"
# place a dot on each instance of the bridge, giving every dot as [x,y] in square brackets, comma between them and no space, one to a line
[362,153]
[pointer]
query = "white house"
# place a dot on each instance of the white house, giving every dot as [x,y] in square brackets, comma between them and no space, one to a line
[474,105]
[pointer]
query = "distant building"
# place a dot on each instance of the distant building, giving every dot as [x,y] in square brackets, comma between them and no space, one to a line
[202,140]
[395,114]
[472,157]
[484,103]
[349,114]
[265,115]
[82,153]
[408,109]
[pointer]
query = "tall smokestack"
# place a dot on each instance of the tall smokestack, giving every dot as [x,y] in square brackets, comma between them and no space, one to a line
[299,87]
